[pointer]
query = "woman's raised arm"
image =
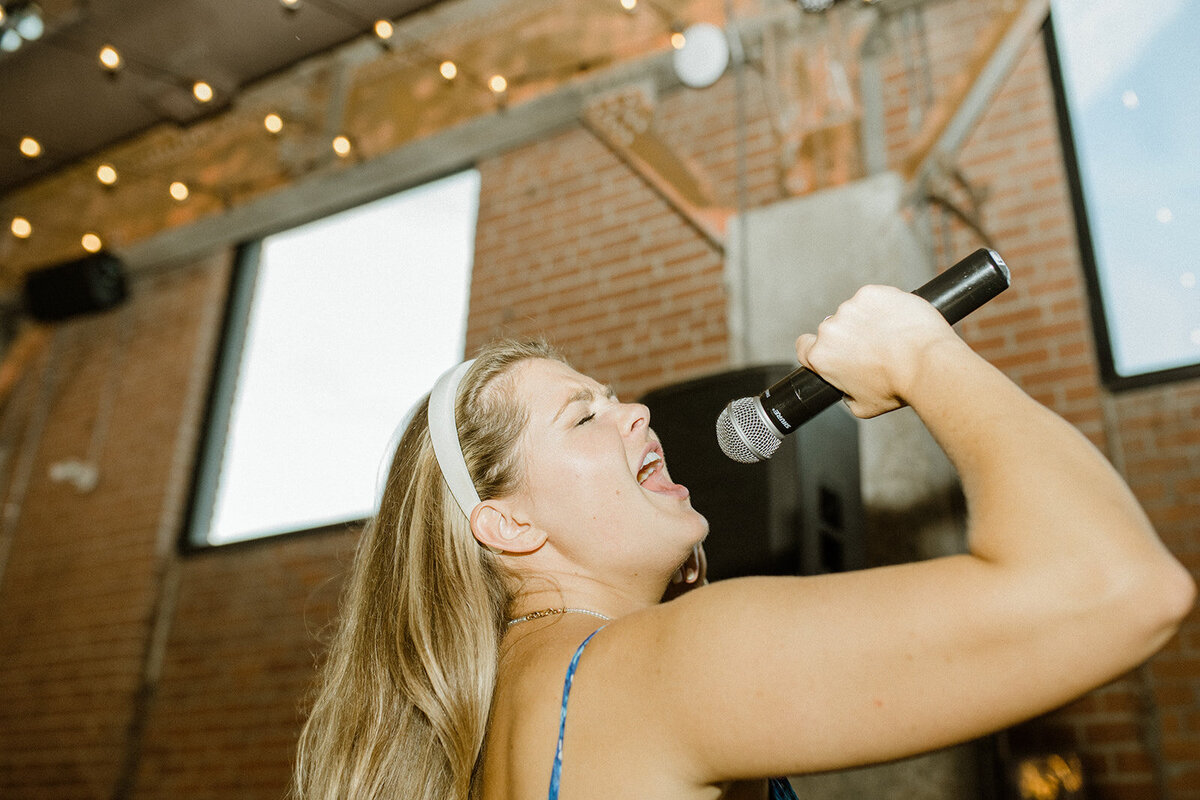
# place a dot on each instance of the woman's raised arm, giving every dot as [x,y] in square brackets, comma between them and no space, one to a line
[1065,587]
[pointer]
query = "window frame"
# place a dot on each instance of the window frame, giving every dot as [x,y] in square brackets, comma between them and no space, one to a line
[1101,330]
[212,436]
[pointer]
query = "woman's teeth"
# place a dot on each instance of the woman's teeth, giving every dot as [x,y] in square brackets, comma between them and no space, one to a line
[649,464]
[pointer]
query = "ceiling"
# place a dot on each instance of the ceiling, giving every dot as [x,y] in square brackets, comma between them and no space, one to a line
[54,89]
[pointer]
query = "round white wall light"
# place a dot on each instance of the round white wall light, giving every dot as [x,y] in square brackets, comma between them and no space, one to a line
[703,57]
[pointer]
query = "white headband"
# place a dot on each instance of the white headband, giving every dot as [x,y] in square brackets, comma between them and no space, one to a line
[443,431]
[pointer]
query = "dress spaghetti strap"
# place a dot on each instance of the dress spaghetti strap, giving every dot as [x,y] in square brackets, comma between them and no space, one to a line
[556,771]
[779,788]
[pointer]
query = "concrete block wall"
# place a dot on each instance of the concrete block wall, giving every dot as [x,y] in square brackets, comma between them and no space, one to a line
[129,670]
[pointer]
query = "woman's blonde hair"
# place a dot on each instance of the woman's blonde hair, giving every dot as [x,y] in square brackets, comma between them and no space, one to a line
[404,692]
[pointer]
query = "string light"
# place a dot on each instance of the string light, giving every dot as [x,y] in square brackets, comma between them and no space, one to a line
[110,59]
[28,22]
[21,26]
[202,91]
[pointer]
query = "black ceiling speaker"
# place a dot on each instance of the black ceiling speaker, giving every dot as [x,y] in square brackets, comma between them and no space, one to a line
[87,285]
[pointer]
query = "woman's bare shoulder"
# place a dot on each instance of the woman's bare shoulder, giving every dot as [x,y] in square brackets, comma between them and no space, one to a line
[527,703]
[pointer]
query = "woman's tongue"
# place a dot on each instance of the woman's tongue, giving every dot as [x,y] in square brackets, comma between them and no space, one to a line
[659,483]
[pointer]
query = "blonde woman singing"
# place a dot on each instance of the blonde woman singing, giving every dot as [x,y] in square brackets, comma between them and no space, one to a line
[503,634]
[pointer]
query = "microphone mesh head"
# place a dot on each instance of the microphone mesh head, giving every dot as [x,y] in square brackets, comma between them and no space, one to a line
[742,433]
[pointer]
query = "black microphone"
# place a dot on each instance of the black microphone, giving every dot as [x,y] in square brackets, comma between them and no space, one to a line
[752,428]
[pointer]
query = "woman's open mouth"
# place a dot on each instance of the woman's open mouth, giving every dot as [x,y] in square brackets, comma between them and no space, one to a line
[653,476]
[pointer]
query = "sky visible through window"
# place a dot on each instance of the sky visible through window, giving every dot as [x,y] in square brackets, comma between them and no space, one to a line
[1131,76]
[354,317]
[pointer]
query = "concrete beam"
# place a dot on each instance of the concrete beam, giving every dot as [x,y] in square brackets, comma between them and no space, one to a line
[321,194]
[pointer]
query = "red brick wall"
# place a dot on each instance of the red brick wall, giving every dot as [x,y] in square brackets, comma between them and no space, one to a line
[573,245]
[83,572]
[244,635]
[1158,432]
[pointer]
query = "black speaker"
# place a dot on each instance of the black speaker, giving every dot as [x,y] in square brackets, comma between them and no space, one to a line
[798,513]
[85,285]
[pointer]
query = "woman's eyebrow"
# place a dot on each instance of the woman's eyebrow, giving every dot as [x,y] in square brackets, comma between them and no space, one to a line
[584,395]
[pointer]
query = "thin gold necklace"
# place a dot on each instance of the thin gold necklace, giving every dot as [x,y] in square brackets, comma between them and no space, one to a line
[549,612]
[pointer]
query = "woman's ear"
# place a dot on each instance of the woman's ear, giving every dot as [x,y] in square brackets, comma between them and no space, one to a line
[495,526]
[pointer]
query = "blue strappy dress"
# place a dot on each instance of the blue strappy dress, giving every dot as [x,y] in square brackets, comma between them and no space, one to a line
[780,789]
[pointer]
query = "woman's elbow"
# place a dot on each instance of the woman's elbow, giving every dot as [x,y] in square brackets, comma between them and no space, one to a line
[1180,592]
[1160,596]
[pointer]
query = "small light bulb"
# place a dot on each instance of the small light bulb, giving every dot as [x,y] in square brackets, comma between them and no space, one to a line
[341,146]
[202,91]
[678,40]
[91,242]
[290,5]
[30,147]
[2,13]
[384,29]
[629,5]
[106,174]
[10,41]
[1130,99]
[273,122]
[449,70]
[21,228]
[30,24]
[497,84]
[110,59]
[179,190]
[1164,215]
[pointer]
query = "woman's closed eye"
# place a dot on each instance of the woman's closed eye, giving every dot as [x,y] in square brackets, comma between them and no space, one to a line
[588,418]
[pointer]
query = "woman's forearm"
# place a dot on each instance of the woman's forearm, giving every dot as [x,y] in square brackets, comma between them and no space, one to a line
[1040,495]
[1065,544]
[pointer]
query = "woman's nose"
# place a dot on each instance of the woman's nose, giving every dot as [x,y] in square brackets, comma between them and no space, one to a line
[637,416]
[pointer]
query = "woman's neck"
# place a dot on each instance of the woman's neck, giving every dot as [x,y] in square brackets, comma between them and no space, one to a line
[582,594]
